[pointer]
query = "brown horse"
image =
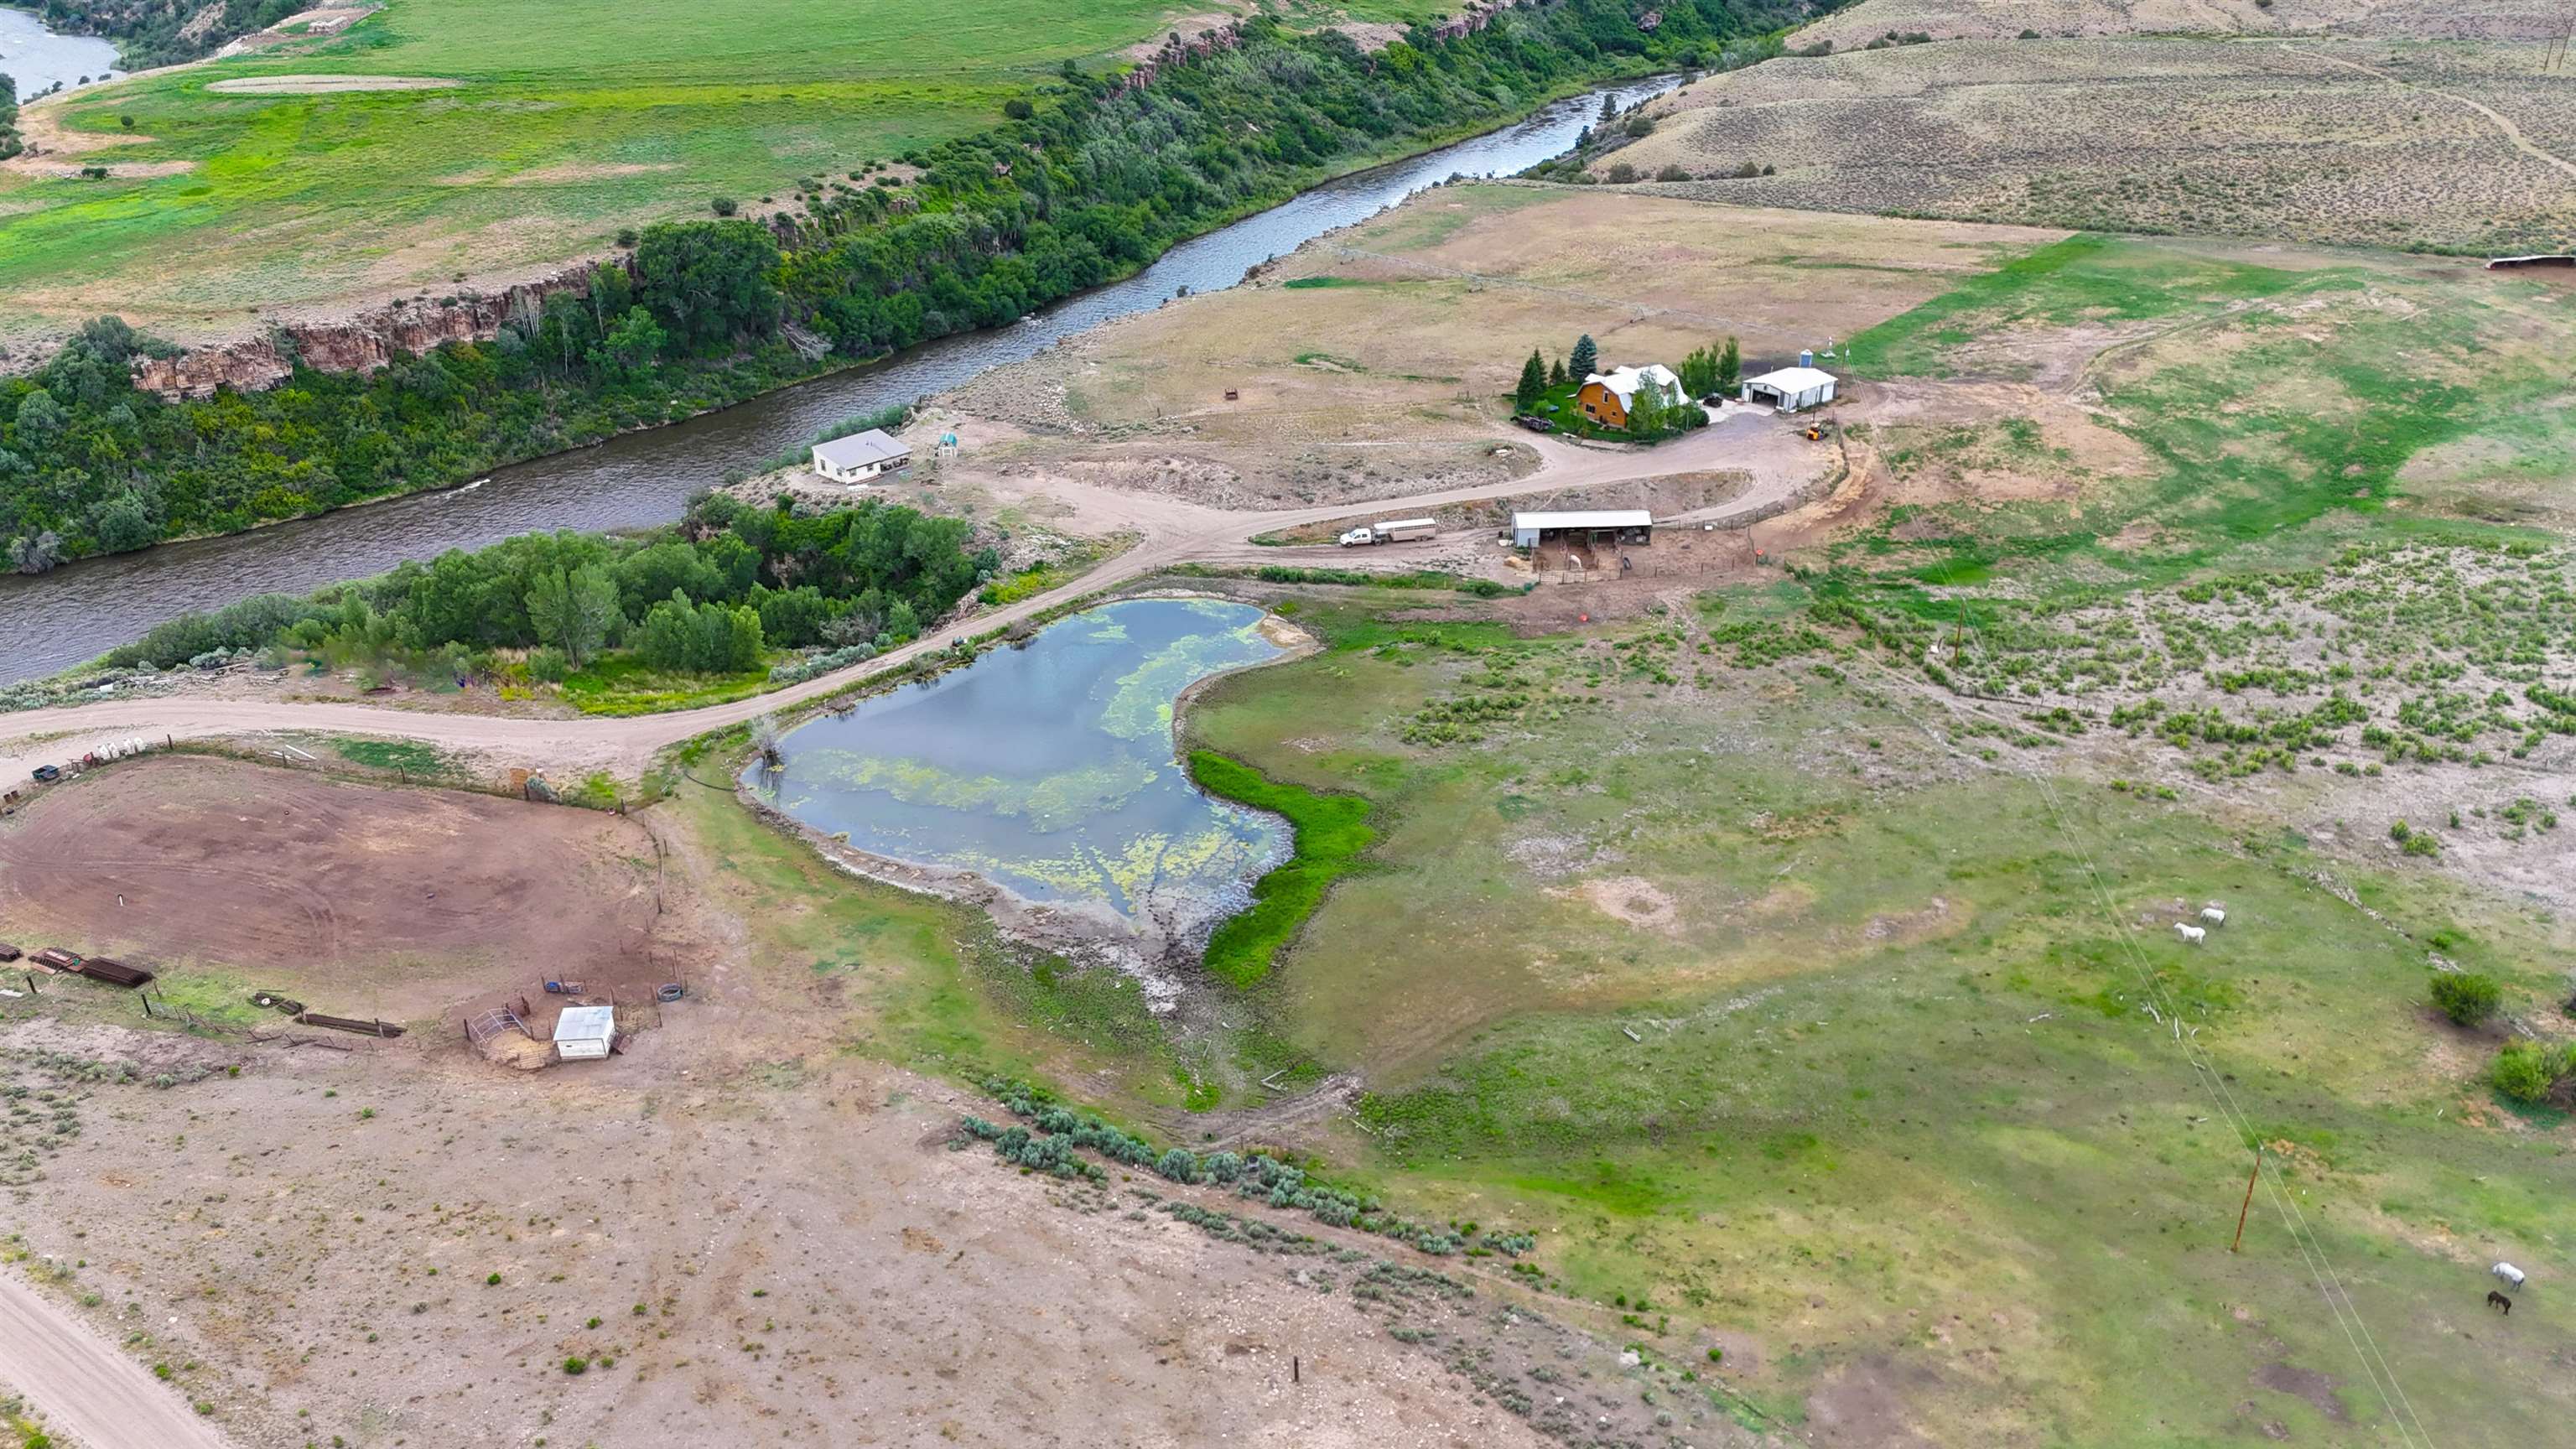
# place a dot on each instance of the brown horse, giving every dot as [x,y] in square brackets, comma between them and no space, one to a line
[2499,1302]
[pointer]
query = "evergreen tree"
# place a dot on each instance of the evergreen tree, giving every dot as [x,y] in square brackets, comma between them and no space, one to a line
[1730,366]
[1587,357]
[1556,373]
[1699,372]
[1533,383]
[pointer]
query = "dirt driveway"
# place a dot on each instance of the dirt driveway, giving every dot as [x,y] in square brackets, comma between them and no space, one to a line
[1175,532]
[90,1392]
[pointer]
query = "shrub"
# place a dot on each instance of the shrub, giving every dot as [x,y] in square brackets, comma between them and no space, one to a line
[493,1281]
[2466,997]
[725,205]
[1179,1165]
[576,1366]
[1622,174]
[2526,1070]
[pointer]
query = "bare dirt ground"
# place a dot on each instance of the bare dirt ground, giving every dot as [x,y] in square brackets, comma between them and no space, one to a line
[811,1266]
[743,1229]
[404,904]
[2335,140]
[93,1394]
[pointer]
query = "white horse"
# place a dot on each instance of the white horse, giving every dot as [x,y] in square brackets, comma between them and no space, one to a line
[2192,934]
[2212,915]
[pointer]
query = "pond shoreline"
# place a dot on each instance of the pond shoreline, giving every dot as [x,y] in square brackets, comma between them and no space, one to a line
[1167,968]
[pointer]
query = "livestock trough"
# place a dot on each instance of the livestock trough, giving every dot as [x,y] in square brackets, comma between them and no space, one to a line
[115,973]
[350,1023]
[55,958]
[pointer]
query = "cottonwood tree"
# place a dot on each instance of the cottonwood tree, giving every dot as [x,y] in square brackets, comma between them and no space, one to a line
[574,611]
[1649,415]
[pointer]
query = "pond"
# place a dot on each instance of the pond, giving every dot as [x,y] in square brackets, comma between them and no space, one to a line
[1048,769]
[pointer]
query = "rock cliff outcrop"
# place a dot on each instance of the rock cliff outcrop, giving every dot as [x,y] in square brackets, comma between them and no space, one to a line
[362,343]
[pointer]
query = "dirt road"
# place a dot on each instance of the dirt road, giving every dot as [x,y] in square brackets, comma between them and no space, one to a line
[2512,133]
[1178,535]
[88,1391]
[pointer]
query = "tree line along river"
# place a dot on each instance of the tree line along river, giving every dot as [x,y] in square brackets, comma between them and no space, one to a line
[52,621]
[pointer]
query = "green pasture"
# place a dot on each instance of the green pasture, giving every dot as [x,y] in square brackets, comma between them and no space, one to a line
[1893,1096]
[2281,410]
[569,122]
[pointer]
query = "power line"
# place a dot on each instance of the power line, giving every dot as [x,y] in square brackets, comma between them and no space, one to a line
[2347,1314]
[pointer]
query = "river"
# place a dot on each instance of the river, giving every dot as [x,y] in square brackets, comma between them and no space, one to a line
[52,621]
[38,60]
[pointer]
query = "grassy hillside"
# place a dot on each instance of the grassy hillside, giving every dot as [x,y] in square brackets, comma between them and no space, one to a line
[565,123]
[1818,1004]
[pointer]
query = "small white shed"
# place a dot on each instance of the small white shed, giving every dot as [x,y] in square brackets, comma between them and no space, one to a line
[585,1033]
[861,456]
[1791,388]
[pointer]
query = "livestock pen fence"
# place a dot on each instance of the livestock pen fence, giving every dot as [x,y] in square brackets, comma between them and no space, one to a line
[150,1003]
[292,754]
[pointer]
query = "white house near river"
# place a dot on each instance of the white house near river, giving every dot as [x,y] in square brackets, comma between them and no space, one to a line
[861,456]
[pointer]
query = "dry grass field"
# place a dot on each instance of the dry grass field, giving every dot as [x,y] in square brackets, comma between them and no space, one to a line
[750,1227]
[2328,141]
[1379,359]
[1856,26]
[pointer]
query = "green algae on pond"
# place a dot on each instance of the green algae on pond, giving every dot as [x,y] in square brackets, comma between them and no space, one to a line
[1048,769]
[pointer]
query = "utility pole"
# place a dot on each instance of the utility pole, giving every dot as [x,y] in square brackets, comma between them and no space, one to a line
[2249,1199]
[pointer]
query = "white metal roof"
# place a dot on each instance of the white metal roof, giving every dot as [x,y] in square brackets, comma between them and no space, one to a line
[1793,379]
[860,449]
[586,1023]
[1624,381]
[1602,518]
[1409,523]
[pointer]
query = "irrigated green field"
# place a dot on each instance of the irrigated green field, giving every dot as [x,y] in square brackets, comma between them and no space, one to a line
[563,123]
